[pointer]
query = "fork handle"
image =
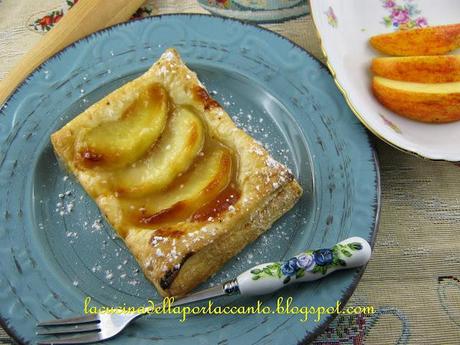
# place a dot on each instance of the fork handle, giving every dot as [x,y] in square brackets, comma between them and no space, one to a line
[307,266]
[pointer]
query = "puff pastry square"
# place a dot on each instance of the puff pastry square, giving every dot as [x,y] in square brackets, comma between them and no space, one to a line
[178,181]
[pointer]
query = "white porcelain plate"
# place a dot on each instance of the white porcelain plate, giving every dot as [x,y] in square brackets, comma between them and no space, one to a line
[345,27]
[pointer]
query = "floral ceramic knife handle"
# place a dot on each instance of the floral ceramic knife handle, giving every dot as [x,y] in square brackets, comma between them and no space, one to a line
[307,266]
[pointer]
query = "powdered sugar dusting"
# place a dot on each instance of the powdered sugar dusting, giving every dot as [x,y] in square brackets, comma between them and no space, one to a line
[168,55]
[113,264]
[258,120]
[258,124]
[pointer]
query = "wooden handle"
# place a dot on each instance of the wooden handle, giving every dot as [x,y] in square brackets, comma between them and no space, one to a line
[84,18]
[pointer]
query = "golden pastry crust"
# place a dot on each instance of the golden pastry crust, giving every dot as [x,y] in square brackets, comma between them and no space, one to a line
[177,256]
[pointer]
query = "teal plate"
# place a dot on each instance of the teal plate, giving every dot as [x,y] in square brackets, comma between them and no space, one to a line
[55,248]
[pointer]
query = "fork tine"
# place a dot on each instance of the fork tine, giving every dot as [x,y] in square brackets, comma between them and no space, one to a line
[85,327]
[84,339]
[70,320]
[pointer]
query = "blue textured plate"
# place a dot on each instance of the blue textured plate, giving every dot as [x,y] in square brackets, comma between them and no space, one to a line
[55,249]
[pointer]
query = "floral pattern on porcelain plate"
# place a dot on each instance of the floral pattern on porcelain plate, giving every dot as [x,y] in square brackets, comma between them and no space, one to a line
[405,15]
[391,124]
[317,261]
[331,17]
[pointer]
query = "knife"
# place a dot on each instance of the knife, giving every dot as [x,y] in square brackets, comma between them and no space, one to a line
[307,266]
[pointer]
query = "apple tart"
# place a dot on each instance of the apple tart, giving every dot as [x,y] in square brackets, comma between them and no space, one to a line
[178,181]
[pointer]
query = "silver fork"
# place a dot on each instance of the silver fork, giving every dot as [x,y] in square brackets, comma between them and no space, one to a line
[94,328]
[261,279]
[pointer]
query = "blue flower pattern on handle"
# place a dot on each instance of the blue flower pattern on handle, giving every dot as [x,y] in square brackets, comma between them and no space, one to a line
[323,257]
[290,266]
[305,261]
[318,261]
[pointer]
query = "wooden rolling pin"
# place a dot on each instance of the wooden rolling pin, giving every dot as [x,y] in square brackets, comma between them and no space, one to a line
[85,17]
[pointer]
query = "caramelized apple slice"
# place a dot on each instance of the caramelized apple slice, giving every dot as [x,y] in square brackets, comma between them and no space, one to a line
[124,141]
[205,182]
[175,152]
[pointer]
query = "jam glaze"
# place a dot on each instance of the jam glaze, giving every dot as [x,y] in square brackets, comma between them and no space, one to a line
[90,157]
[224,201]
[174,153]
[116,143]
[162,210]
[208,102]
[208,203]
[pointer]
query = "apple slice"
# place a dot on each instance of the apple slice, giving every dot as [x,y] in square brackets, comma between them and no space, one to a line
[174,153]
[210,176]
[121,142]
[422,102]
[420,69]
[434,40]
